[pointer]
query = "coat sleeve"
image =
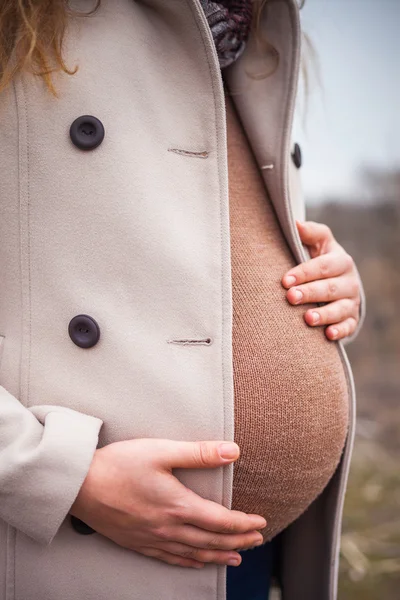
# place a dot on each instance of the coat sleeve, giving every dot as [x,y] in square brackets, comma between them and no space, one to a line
[45,454]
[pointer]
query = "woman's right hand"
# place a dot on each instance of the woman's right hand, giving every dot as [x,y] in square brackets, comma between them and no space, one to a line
[131,496]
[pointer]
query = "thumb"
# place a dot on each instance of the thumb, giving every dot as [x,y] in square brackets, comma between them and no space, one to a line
[198,455]
[312,233]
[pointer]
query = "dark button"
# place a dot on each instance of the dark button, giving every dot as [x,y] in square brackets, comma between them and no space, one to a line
[87,132]
[296,156]
[84,331]
[81,527]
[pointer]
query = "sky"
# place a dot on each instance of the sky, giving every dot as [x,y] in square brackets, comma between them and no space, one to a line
[353,114]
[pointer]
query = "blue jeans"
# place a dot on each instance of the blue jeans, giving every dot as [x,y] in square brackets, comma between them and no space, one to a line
[251,579]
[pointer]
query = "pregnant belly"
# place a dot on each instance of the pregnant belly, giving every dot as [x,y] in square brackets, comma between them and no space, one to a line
[291,415]
[291,394]
[290,387]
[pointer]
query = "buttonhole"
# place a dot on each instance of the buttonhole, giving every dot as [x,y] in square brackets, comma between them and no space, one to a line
[191,342]
[201,154]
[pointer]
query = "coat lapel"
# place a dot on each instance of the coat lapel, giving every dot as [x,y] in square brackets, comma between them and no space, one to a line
[266,106]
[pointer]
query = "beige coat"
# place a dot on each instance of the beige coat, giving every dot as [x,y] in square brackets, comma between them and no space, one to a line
[136,236]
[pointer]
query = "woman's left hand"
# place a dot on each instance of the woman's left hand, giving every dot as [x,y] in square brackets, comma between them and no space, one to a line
[330,276]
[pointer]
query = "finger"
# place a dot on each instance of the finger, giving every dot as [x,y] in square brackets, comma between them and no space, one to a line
[171,559]
[207,556]
[333,312]
[215,517]
[341,330]
[196,455]
[312,233]
[325,290]
[332,264]
[200,538]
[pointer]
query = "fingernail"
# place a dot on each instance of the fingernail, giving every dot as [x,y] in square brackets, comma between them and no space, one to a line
[233,562]
[334,332]
[298,296]
[259,542]
[315,317]
[290,280]
[228,450]
[260,523]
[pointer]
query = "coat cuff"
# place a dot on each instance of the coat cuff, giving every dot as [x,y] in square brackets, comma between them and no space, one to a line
[56,470]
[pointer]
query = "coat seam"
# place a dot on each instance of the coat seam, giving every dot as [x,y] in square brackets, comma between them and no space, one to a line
[19,230]
[11,534]
[347,452]
[221,213]
[10,562]
[24,232]
[28,236]
[289,103]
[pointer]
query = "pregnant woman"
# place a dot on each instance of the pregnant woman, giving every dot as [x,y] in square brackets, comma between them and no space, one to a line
[176,404]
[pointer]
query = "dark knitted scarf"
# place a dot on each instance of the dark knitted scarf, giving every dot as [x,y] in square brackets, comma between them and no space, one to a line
[230,22]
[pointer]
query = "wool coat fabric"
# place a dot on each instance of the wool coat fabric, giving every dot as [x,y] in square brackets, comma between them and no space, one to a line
[135,234]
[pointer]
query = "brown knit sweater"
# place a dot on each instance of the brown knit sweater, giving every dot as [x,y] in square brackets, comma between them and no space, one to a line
[291,395]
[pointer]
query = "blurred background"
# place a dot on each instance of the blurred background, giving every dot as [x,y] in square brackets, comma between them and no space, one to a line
[348,128]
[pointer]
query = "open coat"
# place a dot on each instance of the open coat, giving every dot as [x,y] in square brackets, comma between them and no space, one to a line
[135,235]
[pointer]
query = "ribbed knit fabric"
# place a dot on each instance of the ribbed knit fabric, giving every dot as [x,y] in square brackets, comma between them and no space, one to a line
[291,395]
[230,23]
